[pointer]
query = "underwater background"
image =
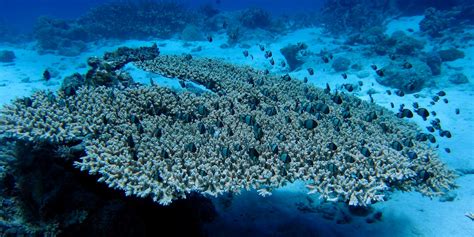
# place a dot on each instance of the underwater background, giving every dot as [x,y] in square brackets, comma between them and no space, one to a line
[236,118]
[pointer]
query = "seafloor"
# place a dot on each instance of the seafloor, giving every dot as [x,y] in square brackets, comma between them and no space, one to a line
[289,211]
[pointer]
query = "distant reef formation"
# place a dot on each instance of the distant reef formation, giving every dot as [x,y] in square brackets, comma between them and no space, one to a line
[119,20]
[442,23]
[353,16]
[148,19]
[251,130]
[356,16]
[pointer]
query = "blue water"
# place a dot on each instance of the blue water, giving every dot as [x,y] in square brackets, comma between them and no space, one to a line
[22,14]
[397,54]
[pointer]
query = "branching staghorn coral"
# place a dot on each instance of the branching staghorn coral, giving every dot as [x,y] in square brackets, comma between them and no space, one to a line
[252,131]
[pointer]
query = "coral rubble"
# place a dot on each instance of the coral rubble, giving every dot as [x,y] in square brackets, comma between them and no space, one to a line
[251,131]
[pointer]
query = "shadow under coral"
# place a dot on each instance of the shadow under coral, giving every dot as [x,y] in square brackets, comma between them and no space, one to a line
[54,197]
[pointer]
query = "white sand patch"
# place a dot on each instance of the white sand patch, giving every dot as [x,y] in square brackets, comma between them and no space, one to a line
[404,24]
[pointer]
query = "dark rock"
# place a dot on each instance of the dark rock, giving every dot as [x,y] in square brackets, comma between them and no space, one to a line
[72,83]
[448,197]
[458,78]
[7,56]
[433,60]
[408,80]
[341,64]
[291,53]
[451,54]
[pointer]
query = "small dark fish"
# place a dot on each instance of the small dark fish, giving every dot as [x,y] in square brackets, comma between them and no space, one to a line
[310,71]
[430,129]
[325,59]
[349,87]
[447,150]
[251,56]
[392,56]
[373,66]
[432,103]
[272,62]
[46,75]
[407,65]
[433,113]
[361,83]
[344,75]
[410,30]
[389,92]
[283,63]
[209,38]
[268,54]
[405,113]
[392,105]
[225,24]
[305,79]
[330,56]
[441,93]
[399,93]
[435,98]
[261,47]
[246,53]
[457,111]
[445,100]
[327,89]
[182,84]
[380,72]
[445,133]
[416,96]
[423,113]
[415,105]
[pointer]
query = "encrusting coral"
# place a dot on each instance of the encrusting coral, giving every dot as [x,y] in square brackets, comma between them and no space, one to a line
[250,131]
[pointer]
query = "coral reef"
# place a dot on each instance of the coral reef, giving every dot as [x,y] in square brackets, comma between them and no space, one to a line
[192,33]
[433,60]
[437,23]
[255,18]
[292,54]
[64,37]
[371,36]
[7,56]
[409,80]
[398,43]
[352,16]
[341,64]
[252,131]
[451,54]
[405,45]
[136,19]
[119,20]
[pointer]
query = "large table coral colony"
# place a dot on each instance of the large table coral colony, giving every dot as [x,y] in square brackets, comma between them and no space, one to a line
[250,131]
